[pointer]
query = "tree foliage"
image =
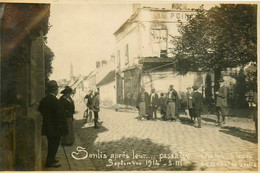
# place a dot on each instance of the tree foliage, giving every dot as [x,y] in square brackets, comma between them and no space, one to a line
[223,37]
[48,56]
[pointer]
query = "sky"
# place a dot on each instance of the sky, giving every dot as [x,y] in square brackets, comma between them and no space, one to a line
[82,33]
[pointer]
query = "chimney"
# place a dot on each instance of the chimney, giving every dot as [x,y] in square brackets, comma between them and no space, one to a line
[177,6]
[97,64]
[103,62]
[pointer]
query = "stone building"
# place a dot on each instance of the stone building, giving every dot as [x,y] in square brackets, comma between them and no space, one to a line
[23,28]
[143,53]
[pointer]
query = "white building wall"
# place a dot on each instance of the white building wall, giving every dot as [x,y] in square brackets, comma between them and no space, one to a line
[132,40]
[104,70]
[108,94]
[162,80]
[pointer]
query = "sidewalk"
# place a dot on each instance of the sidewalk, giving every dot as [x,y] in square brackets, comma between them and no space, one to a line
[71,164]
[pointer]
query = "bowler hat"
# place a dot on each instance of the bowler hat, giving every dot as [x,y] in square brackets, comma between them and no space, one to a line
[195,87]
[52,85]
[171,86]
[66,90]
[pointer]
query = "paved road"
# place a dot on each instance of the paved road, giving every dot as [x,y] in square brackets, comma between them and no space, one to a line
[124,143]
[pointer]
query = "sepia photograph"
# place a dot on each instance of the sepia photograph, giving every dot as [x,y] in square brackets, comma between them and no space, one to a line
[129,85]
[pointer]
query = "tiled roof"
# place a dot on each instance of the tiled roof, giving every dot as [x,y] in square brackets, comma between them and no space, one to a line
[110,77]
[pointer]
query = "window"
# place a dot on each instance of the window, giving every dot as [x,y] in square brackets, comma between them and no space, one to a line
[118,59]
[126,54]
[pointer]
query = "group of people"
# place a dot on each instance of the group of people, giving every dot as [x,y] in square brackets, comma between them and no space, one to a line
[148,104]
[57,118]
[169,104]
[92,106]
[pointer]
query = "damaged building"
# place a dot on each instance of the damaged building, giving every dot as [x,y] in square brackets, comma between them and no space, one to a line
[143,53]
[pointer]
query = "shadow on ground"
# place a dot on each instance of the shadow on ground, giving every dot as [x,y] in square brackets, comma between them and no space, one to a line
[124,148]
[209,120]
[240,133]
[186,121]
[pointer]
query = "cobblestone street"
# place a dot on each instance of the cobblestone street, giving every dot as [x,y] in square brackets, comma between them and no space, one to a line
[124,143]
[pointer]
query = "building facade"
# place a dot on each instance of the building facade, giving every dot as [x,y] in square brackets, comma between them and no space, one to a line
[23,76]
[144,56]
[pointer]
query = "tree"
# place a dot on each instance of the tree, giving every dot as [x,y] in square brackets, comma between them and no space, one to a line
[48,56]
[240,89]
[223,37]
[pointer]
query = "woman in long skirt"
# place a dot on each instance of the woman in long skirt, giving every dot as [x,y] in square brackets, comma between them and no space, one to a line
[67,109]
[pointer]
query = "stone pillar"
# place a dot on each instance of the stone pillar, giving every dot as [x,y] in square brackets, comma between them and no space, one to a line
[28,130]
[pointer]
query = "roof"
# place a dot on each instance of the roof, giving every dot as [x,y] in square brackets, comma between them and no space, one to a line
[136,13]
[110,77]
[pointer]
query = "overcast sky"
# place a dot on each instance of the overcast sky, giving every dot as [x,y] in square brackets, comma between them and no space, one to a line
[81,34]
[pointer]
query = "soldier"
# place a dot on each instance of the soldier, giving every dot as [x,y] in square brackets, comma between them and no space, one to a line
[153,104]
[142,104]
[189,104]
[221,105]
[197,103]
[52,122]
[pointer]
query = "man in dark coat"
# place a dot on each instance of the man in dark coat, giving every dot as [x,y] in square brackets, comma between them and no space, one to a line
[189,104]
[142,104]
[162,103]
[154,102]
[90,98]
[52,122]
[197,102]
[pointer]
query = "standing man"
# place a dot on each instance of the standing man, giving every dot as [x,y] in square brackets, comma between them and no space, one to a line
[162,102]
[189,104]
[172,104]
[90,100]
[96,109]
[197,103]
[142,104]
[221,105]
[51,122]
[154,101]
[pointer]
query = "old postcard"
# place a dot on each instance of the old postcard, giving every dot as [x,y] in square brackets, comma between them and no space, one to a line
[129,86]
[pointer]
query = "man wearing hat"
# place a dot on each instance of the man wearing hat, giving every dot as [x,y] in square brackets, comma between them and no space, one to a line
[221,103]
[197,103]
[90,97]
[51,122]
[154,102]
[142,104]
[96,109]
[189,104]
[172,104]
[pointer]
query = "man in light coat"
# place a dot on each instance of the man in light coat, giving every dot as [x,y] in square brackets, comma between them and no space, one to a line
[154,102]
